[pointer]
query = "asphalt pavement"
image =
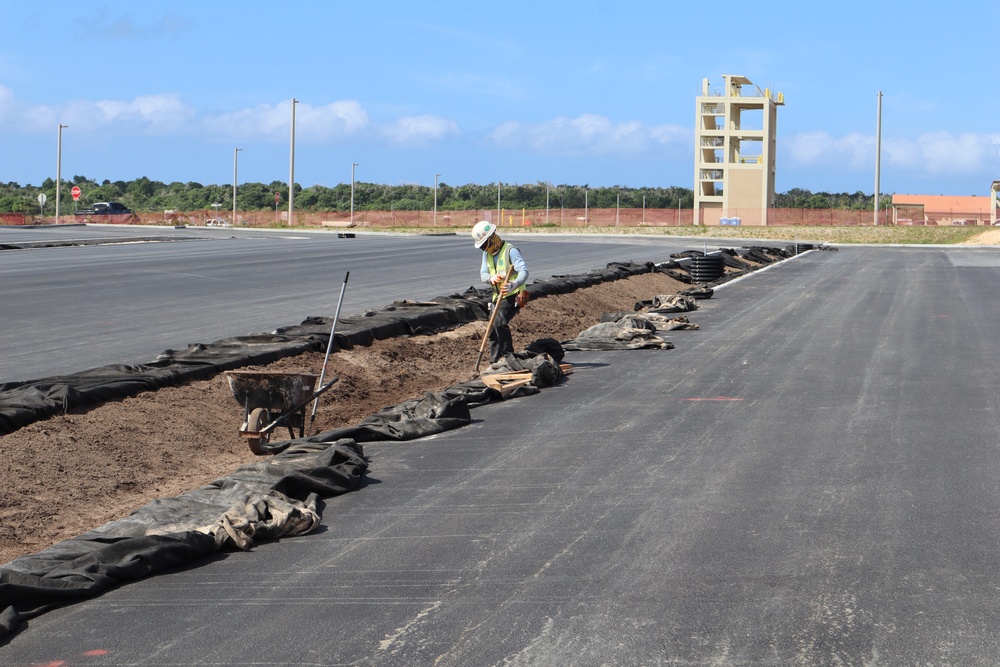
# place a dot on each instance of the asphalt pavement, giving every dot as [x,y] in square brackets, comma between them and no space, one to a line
[809,479]
[125,294]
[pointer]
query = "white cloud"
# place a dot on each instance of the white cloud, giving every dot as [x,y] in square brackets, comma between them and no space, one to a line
[343,119]
[942,152]
[930,153]
[821,149]
[156,114]
[332,121]
[147,114]
[590,134]
[167,114]
[417,130]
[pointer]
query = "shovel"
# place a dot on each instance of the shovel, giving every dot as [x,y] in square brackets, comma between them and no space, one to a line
[489,325]
[329,345]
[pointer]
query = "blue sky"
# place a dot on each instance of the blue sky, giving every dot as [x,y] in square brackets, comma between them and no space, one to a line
[597,93]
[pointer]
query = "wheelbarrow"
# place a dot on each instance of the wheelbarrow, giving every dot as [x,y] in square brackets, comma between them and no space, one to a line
[270,399]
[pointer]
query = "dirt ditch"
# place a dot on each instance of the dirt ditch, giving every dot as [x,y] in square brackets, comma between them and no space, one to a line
[66,475]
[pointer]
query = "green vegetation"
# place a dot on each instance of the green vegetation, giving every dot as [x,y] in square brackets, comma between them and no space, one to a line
[145,195]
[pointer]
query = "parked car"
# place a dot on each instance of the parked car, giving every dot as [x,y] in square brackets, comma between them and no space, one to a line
[217,222]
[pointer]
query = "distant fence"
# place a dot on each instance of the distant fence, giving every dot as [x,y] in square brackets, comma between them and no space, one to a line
[553,217]
[12,219]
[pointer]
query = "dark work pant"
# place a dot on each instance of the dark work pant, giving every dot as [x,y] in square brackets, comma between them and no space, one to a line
[501,342]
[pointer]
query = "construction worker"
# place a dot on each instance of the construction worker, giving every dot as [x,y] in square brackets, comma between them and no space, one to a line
[504,269]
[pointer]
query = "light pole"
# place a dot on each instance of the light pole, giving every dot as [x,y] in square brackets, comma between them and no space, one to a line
[547,204]
[291,170]
[59,169]
[436,177]
[236,152]
[878,156]
[499,219]
[353,165]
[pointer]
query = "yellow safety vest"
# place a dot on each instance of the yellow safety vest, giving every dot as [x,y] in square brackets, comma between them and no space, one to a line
[500,263]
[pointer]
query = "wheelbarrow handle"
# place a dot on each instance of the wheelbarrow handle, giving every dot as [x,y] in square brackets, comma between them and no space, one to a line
[298,406]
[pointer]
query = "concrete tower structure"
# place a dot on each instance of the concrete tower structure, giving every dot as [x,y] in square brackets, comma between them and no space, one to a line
[735,139]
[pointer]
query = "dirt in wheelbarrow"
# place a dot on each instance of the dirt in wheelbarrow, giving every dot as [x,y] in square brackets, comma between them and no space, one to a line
[66,475]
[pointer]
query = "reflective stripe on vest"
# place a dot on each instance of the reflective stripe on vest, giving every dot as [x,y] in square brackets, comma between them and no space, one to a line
[498,263]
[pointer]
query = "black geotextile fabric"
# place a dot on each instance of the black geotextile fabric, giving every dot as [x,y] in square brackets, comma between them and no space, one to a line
[261,500]
[275,497]
[22,403]
[447,409]
[630,332]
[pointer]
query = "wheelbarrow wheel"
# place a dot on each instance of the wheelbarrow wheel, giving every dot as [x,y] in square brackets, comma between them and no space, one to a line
[258,419]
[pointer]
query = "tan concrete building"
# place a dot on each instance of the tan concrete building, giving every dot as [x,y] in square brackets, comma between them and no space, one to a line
[735,139]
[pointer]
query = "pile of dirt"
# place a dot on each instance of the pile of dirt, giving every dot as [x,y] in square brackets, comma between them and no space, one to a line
[66,475]
[989,237]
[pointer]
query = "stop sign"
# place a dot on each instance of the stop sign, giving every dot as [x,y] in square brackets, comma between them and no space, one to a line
[75,192]
[277,197]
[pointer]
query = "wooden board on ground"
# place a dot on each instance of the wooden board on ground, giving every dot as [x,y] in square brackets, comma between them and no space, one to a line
[507,382]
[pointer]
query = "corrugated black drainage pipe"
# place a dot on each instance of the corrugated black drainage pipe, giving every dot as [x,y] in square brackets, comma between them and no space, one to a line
[707,268]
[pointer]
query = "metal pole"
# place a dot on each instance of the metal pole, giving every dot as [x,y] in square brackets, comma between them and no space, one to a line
[59,169]
[499,220]
[586,207]
[878,156]
[291,170]
[353,165]
[329,344]
[618,207]
[436,177]
[546,204]
[235,153]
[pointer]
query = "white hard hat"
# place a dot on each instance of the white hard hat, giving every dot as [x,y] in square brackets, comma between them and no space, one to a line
[482,231]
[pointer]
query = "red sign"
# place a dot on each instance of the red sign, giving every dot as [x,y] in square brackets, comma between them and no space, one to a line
[75,192]
[277,197]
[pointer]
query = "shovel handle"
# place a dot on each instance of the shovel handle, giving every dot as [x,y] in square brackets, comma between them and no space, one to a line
[493,317]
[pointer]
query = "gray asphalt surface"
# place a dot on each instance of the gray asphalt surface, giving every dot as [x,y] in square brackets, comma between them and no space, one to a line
[126,303]
[810,479]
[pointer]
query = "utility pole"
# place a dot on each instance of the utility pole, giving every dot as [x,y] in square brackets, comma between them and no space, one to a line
[436,177]
[59,169]
[236,152]
[353,165]
[291,171]
[878,157]
[546,204]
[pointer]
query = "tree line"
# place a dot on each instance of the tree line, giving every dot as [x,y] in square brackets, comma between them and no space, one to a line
[143,194]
